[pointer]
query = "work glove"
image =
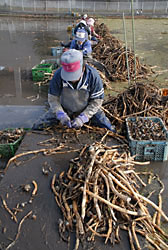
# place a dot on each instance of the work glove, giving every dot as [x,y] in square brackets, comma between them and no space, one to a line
[79,121]
[85,53]
[64,119]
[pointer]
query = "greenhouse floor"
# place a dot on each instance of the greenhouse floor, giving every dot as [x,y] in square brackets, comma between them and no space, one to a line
[40,230]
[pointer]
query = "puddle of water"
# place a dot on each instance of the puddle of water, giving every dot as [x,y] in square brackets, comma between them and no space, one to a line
[23,44]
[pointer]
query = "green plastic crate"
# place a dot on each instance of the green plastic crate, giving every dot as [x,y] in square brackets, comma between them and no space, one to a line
[53,61]
[8,150]
[148,150]
[45,66]
[38,71]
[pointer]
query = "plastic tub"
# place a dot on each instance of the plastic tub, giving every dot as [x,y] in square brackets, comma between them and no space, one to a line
[148,150]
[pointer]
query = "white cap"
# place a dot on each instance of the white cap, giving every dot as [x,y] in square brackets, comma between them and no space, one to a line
[85,16]
[83,21]
[90,21]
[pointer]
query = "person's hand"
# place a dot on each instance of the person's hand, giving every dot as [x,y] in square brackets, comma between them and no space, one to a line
[64,119]
[79,121]
[98,37]
[65,49]
[85,52]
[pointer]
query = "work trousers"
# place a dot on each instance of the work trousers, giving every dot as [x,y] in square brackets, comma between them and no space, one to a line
[49,119]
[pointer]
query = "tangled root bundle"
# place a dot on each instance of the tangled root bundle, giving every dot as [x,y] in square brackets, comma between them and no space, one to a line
[99,196]
[112,54]
[140,99]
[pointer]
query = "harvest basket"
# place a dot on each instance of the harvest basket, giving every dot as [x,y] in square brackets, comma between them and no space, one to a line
[8,150]
[40,71]
[148,150]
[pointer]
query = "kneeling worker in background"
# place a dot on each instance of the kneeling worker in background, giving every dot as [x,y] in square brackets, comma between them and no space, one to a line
[81,42]
[75,95]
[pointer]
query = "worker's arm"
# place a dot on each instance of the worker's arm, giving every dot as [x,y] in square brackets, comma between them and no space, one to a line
[54,102]
[93,107]
[73,44]
[87,48]
[54,92]
[95,34]
[96,94]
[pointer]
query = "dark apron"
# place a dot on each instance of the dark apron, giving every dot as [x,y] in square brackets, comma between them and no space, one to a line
[74,101]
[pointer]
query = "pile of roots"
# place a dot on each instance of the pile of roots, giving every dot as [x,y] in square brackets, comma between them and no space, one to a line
[146,128]
[11,135]
[113,55]
[99,196]
[140,99]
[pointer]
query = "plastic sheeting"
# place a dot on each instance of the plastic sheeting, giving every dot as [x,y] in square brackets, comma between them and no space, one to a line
[13,116]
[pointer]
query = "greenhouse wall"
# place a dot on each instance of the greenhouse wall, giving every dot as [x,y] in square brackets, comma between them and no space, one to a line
[93,7]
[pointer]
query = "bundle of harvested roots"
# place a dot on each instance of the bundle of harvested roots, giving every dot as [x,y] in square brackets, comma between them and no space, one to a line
[10,135]
[142,128]
[140,99]
[99,196]
[112,54]
[101,29]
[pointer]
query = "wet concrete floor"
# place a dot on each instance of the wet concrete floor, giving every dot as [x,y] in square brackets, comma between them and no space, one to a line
[42,231]
[23,44]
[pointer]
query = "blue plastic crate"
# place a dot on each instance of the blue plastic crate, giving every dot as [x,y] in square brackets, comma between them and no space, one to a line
[56,51]
[148,150]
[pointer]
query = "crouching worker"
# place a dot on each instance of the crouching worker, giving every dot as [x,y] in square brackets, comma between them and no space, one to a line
[75,95]
[82,43]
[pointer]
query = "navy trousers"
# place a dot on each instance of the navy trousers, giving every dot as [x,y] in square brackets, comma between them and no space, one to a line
[49,119]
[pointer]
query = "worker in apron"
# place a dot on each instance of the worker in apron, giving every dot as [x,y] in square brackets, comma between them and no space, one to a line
[75,95]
